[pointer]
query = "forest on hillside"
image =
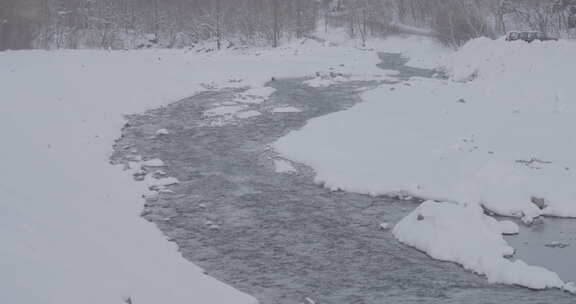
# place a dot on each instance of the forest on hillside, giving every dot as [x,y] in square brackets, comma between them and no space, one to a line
[126,24]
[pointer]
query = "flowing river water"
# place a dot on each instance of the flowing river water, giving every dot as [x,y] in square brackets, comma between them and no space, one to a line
[281,237]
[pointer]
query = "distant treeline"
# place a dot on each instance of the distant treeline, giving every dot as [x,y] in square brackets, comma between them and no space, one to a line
[173,23]
[119,24]
[455,21]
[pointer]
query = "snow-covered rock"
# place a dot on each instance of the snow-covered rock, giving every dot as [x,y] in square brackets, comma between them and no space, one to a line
[465,235]
[162,132]
[385,226]
[570,287]
[155,162]
[283,166]
[508,227]
[286,109]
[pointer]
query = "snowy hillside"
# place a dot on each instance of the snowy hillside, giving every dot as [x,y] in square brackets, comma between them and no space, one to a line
[498,133]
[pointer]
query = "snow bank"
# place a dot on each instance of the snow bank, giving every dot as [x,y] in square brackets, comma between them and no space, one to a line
[541,63]
[501,140]
[498,134]
[69,222]
[464,235]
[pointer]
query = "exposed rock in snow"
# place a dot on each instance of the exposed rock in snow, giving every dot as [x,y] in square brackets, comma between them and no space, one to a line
[508,227]
[139,175]
[557,244]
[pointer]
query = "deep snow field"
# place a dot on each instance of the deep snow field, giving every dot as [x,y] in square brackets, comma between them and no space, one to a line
[69,222]
[498,134]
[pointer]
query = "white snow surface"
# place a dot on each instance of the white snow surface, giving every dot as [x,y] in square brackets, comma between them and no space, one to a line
[69,222]
[498,133]
[500,140]
[162,132]
[286,109]
[153,163]
[283,166]
[224,110]
[464,235]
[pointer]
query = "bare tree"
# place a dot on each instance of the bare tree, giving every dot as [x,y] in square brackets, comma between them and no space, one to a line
[18,19]
[178,23]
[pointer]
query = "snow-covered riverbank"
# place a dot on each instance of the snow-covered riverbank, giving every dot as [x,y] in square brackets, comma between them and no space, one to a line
[70,222]
[70,225]
[497,133]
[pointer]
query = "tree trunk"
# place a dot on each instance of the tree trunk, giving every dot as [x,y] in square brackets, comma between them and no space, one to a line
[276,23]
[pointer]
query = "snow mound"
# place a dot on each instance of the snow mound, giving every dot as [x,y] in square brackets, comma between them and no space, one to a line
[153,163]
[248,114]
[464,235]
[162,132]
[283,166]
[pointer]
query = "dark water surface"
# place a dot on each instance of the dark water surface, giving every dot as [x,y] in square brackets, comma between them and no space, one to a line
[550,243]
